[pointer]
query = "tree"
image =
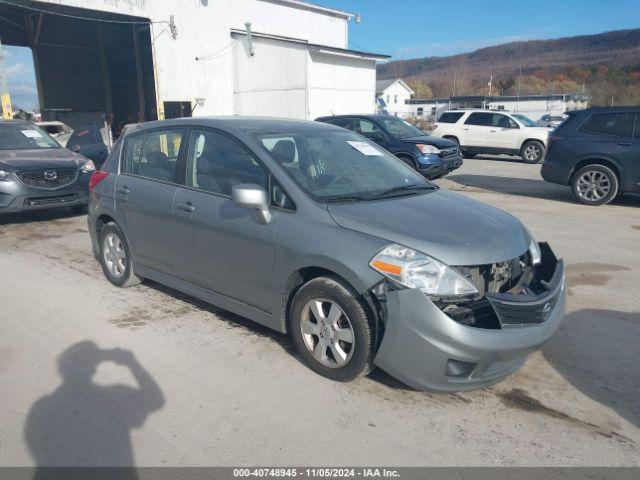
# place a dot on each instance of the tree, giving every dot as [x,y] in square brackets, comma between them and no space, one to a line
[420,88]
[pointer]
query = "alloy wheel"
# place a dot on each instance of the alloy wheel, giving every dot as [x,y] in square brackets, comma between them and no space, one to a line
[114,255]
[593,186]
[327,332]
[532,153]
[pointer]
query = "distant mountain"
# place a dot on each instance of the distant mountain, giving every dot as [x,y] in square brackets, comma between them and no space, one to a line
[606,65]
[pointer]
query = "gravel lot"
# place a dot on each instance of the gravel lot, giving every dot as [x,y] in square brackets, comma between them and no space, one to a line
[219,390]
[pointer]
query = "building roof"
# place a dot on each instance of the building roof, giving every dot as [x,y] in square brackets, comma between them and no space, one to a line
[313,7]
[382,85]
[316,47]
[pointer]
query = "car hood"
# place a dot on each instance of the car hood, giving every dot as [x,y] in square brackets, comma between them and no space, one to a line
[15,160]
[429,140]
[448,226]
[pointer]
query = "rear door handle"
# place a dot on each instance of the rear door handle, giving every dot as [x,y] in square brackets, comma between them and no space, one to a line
[124,190]
[624,144]
[186,207]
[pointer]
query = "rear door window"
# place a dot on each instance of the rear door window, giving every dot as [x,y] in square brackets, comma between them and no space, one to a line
[450,117]
[480,118]
[603,123]
[154,155]
[343,122]
[626,130]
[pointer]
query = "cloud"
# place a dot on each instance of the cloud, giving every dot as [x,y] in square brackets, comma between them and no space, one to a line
[441,49]
[16,69]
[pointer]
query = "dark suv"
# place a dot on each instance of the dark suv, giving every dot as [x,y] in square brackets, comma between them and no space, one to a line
[597,152]
[431,156]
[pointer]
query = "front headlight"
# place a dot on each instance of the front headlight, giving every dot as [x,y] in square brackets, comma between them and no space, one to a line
[3,174]
[534,249]
[88,167]
[417,270]
[428,149]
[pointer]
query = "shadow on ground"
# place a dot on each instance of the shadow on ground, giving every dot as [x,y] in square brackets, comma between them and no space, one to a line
[38,216]
[596,351]
[85,424]
[529,188]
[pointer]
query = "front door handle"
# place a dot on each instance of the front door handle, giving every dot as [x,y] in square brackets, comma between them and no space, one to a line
[186,207]
[124,190]
[624,144]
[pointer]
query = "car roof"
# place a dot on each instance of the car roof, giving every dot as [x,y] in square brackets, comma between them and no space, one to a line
[369,116]
[244,124]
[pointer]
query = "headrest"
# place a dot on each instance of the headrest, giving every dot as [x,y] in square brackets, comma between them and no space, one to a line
[284,151]
[157,159]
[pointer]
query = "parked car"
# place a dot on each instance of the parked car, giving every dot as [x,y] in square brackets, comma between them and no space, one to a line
[597,152]
[86,140]
[36,172]
[316,231]
[431,156]
[493,132]
[552,121]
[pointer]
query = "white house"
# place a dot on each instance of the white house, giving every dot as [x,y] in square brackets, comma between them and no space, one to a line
[143,59]
[395,94]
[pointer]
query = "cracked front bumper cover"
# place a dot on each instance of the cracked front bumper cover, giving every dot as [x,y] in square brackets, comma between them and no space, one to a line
[420,340]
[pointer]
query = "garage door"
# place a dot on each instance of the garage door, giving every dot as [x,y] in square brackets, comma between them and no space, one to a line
[272,82]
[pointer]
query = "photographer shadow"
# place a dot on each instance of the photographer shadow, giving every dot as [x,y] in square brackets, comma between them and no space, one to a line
[82,424]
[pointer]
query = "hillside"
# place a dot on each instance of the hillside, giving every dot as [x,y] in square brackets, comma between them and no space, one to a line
[605,65]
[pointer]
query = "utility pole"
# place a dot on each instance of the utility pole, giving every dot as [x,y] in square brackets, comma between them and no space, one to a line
[518,101]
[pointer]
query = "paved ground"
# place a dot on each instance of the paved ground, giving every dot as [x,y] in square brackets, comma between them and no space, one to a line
[217,390]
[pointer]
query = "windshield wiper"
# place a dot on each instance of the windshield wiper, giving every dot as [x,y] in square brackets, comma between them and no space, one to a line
[346,198]
[403,188]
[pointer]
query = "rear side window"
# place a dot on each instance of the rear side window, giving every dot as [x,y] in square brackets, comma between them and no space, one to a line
[154,155]
[603,123]
[342,122]
[626,130]
[480,118]
[450,117]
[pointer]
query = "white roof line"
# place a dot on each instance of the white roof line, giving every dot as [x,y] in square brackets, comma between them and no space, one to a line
[314,7]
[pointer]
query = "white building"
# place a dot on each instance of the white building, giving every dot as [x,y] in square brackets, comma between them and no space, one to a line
[146,59]
[394,93]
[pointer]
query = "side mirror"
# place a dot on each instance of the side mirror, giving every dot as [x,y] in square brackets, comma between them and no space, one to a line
[252,197]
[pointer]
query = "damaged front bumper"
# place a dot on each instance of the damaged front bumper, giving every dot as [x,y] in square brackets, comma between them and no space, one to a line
[428,350]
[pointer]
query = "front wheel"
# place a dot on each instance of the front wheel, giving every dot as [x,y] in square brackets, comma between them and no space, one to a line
[532,152]
[331,329]
[595,185]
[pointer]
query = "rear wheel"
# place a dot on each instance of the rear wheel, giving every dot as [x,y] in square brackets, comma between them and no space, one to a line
[331,329]
[595,185]
[115,257]
[532,152]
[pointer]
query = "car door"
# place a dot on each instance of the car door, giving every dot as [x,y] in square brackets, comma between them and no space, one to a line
[504,133]
[87,141]
[475,129]
[627,151]
[218,245]
[144,195]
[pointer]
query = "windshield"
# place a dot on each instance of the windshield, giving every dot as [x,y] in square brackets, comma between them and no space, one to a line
[23,136]
[526,121]
[399,128]
[335,166]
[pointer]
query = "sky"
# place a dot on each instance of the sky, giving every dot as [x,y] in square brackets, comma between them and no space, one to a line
[419,28]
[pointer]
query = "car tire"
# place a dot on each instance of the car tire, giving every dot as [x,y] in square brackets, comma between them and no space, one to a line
[595,185]
[408,160]
[331,329]
[532,152]
[115,257]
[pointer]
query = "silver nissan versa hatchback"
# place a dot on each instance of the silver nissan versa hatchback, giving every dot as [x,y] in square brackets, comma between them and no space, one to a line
[313,230]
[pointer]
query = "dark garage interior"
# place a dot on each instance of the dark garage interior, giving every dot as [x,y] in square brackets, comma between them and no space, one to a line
[90,65]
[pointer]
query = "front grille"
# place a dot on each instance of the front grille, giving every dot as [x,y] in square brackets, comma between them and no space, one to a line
[516,314]
[53,200]
[448,152]
[48,177]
